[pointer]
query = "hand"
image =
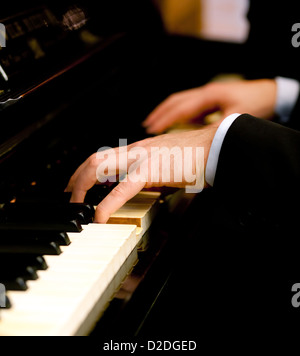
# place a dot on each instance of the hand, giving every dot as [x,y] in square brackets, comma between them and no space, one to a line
[256,97]
[148,163]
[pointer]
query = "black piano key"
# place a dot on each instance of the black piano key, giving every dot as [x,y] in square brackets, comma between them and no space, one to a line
[15,260]
[51,248]
[47,211]
[39,262]
[87,211]
[15,270]
[71,226]
[97,193]
[18,284]
[31,237]
[30,274]
[26,273]
[17,264]
[8,304]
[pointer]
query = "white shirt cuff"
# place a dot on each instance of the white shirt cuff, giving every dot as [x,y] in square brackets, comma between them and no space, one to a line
[215,149]
[287,94]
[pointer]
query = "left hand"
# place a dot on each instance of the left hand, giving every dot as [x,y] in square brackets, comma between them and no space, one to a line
[255,97]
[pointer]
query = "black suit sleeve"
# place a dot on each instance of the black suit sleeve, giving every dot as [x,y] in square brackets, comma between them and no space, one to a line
[259,171]
[294,121]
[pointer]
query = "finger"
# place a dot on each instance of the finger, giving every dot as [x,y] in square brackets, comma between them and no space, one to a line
[186,106]
[72,180]
[182,112]
[171,102]
[166,121]
[162,109]
[78,196]
[77,173]
[83,180]
[123,192]
[85,176]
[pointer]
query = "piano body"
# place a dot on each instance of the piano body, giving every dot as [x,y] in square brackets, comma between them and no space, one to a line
[73,78]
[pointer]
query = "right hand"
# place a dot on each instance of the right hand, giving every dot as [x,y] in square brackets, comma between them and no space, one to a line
[148,163]
[256,97]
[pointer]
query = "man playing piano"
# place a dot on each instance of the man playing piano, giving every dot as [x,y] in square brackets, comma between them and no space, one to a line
[252,166]
[234,280]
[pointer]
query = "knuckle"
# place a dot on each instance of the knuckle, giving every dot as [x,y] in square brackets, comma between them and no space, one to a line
[93,161]
[174,97]
[181,112]
[217,87]
[118,192]
[211,86]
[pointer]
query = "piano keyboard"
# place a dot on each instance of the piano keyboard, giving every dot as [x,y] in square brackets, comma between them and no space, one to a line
[139,211]
[71,295]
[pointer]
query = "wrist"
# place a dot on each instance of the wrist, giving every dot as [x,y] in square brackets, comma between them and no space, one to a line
[215,147]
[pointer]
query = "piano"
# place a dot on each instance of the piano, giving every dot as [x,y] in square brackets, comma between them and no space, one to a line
[74,78]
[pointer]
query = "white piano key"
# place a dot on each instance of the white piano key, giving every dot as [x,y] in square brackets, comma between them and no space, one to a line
[139,211]
[106,227]
[75,280]
[75,290]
